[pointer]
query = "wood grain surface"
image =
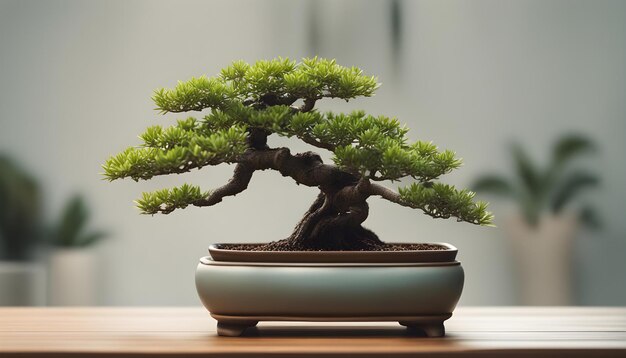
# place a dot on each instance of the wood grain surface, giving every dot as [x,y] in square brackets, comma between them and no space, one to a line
[167,332]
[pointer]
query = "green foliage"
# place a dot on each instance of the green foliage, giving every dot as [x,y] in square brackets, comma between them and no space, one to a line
[494,184]
[444,201]
[373,146]
[390,160]
[71,229]
[568,148]
[313,78]
[20,203]
[193,95]
[263,97]
[317,78]
[570,187]
[551,189]
[176,150]
[166,200]
[265,77]
[357,128]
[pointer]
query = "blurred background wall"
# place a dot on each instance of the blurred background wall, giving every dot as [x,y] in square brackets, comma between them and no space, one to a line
[76,79]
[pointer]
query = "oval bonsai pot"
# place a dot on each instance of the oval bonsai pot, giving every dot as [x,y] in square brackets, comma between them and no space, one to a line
[419,289]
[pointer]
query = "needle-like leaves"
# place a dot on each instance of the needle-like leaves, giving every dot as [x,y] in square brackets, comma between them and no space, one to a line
[174,151]
[313,78]
[167,200]
[262,98]
[444,201]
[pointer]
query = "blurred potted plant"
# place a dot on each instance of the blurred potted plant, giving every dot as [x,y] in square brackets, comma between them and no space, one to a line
[72,263]
[541,233]
[330,267]
[22,280]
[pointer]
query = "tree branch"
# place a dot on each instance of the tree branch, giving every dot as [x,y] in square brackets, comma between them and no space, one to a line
[443,203]
[238,183]
[308,105]
[386,193]
[316,143]
[275,100]
[305,168]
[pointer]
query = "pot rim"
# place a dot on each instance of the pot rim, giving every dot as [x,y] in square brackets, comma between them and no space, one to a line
[209,261]
[406,257]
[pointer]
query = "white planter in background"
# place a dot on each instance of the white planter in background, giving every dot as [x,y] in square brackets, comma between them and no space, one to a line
[22,284]
[72,277]
[543,259]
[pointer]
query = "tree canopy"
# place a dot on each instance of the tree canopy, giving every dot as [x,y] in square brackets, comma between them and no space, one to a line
[246,103]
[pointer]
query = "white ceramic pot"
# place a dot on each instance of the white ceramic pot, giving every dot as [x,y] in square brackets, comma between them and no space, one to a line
[542,256]
[72,277]
[22,284]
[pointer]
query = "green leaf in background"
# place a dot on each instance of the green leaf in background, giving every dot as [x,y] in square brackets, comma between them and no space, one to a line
[527,174]
[89,238]
[71,229]
[20,211]
[553,189]
[568,148]
[494,184]
[573,184]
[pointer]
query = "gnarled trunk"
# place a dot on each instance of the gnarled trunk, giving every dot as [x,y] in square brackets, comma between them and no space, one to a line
[332,224]
[334,220]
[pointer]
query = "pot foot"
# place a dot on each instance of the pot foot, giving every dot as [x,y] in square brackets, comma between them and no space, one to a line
[233,329]
[431,330]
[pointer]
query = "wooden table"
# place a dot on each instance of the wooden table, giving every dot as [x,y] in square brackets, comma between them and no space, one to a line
[168,332]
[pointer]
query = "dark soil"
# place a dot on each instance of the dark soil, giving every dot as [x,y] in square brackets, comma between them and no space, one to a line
[284,245]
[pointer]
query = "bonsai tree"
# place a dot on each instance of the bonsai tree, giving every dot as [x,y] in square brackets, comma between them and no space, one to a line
[553,189]
[250,102]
